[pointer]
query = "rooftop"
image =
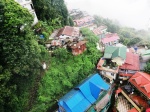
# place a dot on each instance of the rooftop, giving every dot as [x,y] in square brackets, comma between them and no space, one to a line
[98,31]
[78,44]
[110,37]
[84,95]
[131,62]
[113,52]
[141,81]
[69,31]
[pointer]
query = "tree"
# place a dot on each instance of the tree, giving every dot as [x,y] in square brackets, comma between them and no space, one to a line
[71,21]
[147,68]
[51,9]
[112,26]
[89,35]
[20,60]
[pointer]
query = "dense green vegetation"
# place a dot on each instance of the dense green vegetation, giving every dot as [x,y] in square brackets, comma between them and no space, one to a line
[147,68]
[52,11]
[65,72]
[52,14]
[21,57]
[22,53]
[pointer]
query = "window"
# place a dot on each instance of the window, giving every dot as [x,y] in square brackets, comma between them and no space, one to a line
[32,6]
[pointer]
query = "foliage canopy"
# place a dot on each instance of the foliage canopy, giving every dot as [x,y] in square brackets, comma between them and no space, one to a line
[21,57]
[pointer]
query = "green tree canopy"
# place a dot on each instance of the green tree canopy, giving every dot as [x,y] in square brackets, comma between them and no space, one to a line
[52,9]
[20,59]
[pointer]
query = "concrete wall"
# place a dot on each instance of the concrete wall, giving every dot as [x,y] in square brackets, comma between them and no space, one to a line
[28,5]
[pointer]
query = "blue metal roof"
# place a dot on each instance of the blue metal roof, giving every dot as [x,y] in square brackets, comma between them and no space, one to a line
[84,95]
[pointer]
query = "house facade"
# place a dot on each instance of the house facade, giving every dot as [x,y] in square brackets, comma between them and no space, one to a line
[114,57]
[131,65]
[110,39]
[116,54]
[78,48]
[107,72]
[29,5]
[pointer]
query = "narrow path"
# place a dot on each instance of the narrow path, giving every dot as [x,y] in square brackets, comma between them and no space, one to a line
[34,90]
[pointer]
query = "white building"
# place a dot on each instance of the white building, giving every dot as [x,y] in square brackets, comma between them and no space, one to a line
[29,5]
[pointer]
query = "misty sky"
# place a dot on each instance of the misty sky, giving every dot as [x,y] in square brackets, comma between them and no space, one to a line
[132,13]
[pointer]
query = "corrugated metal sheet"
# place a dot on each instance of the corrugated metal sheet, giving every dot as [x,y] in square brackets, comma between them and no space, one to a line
[95,90]
[112,52]
[84,95]
[141,81]
[132,62]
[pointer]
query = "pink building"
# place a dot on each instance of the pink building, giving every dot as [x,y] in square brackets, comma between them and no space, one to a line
[110,39]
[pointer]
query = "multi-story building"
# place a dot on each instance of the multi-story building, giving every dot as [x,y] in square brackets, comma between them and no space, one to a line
[29,5]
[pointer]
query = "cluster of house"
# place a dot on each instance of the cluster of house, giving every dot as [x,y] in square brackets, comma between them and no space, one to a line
[76,13]
[119,65]
[122,64]
[67,37]
[70,37]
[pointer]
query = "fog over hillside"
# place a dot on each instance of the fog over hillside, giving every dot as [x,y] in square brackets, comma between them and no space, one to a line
[132,13]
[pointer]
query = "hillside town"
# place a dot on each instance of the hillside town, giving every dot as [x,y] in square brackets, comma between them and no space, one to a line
[113,82]
[119,70]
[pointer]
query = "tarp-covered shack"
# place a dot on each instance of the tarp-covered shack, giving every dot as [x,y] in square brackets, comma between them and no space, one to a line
[84,95]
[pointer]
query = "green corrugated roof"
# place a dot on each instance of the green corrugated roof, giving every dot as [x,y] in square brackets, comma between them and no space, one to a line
[112,52]
[109,51]
[122,52]
[107,55]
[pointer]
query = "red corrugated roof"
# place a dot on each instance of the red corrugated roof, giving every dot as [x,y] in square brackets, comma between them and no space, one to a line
[131,62]
[139,101]
[110,38]
[98,31]
[142,82]
[69,31]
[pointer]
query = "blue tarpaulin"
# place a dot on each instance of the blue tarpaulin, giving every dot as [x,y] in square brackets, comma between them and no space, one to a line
[41,36]
[84,95]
